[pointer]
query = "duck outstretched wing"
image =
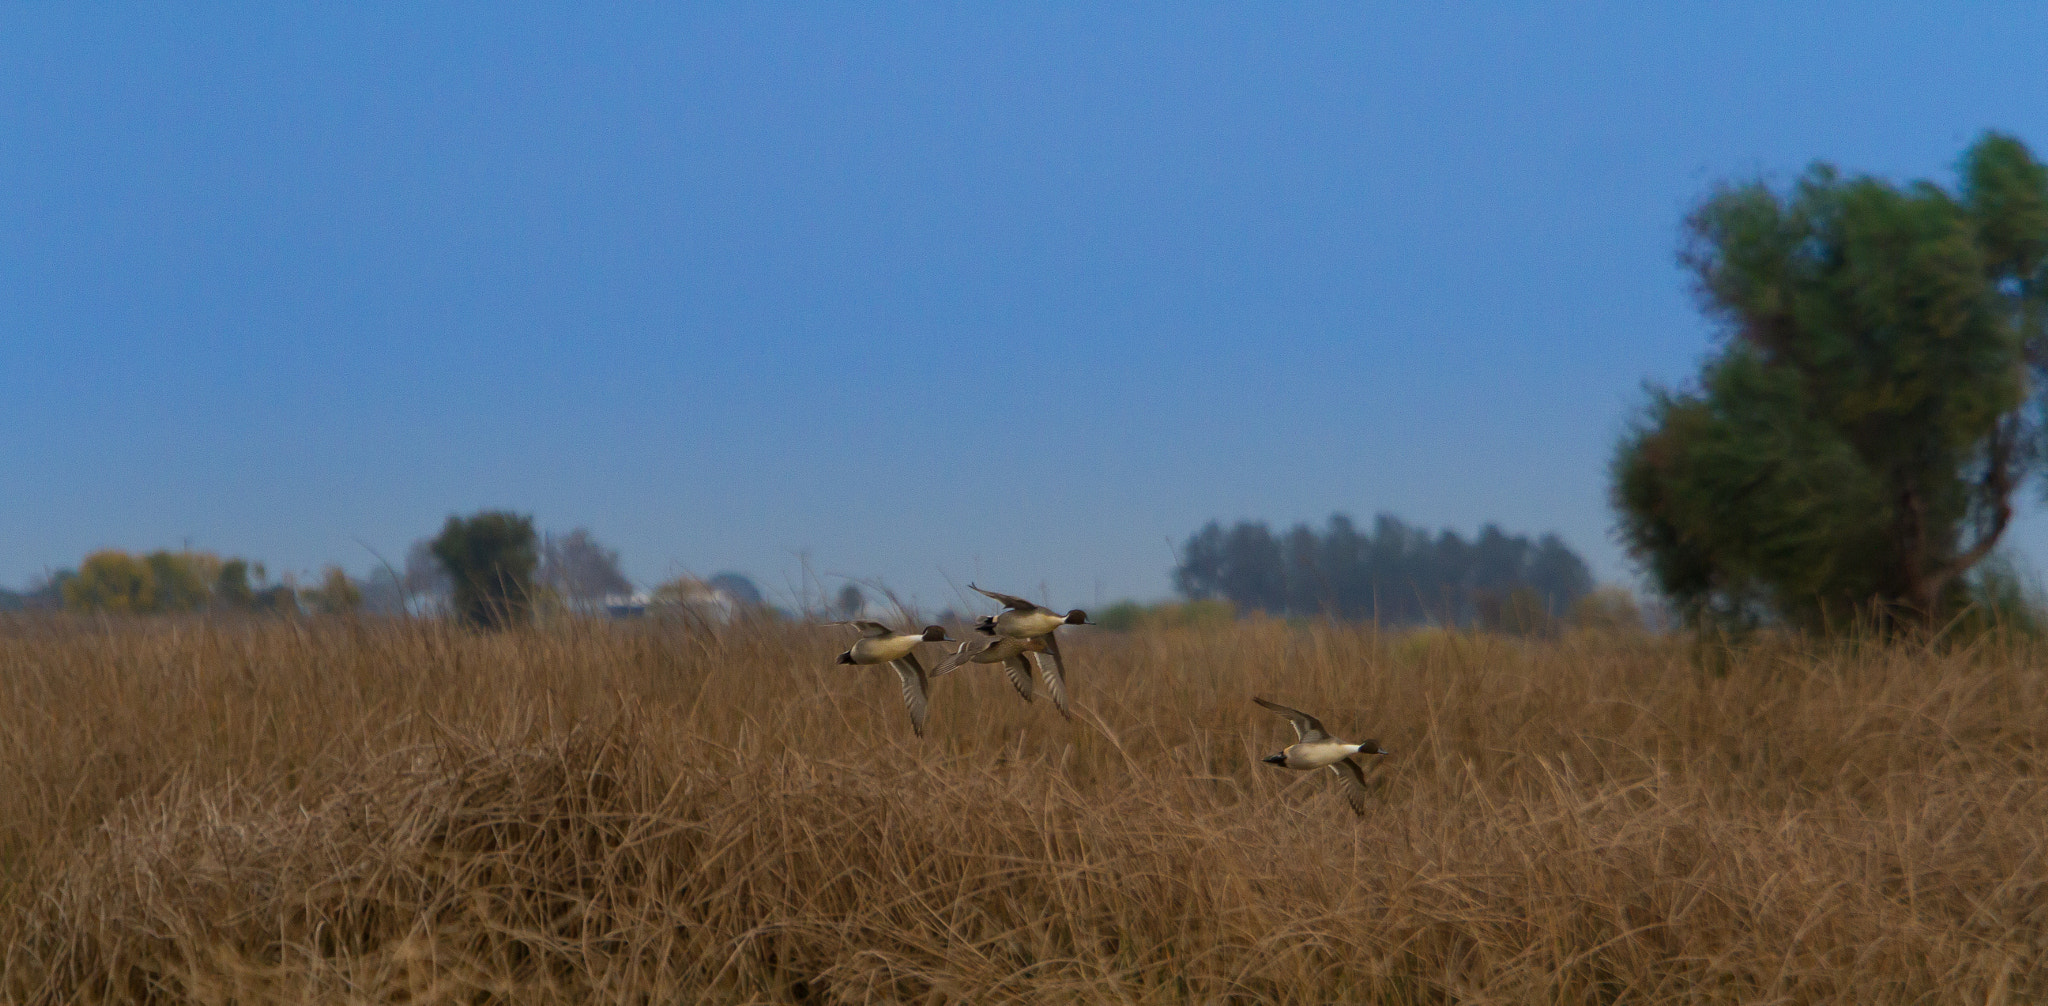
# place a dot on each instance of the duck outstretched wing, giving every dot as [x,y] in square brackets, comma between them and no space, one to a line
[1019,672]
[1054,670]
[867,628]
[1011,601]
[912,677]
[1354,783]
[1307,729]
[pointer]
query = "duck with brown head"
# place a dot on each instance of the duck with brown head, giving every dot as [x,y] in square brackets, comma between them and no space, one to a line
[1022,619]
[1009,652]
[1314,748]
[879,644]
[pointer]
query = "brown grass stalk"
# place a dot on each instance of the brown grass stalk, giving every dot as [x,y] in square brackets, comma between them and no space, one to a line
[338,811]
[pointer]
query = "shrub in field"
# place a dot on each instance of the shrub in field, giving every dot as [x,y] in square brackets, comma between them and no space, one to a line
[490,558]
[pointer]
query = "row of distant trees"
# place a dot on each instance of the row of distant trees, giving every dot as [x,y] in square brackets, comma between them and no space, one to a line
[166,582]
[490,569]
[1395,573]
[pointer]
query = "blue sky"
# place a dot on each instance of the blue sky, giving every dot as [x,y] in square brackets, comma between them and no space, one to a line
[926,294]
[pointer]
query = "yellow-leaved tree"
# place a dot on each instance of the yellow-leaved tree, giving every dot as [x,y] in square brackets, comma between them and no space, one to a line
[111,580]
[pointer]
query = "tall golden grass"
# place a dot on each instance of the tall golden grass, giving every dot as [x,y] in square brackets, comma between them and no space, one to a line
[407,812]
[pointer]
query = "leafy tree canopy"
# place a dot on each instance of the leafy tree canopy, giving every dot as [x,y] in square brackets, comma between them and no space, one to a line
[336,595]
[1854,443]
[490,559]
[113,581]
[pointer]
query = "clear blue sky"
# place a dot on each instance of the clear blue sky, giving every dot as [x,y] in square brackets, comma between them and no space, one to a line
[962,291]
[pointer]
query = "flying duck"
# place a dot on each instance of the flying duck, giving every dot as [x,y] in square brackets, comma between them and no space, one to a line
[1021,619]
[1024,619]
[1009,651]
[1314,748]
[879,644]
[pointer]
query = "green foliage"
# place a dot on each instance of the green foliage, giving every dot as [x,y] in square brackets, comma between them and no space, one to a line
[336,595]
[1607,609]
[490,558]
[162,582]
[1853,446]
[111,580]
[280,599]
[1394,573]
[1518,611]
[1124,616]
[180,579]
[231,586]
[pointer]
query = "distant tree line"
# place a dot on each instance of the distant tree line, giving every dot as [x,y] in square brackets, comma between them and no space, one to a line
[43,594]
[166,582]
[1396,574]
[490,569]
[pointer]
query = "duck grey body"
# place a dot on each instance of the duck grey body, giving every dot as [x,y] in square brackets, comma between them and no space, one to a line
[879,644]
[1009,652]
[1022,619]
[1314,748]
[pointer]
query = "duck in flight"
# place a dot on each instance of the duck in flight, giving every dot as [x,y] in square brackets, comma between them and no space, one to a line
[1314,748]
[879,644]
[1022,619]
[1009,651]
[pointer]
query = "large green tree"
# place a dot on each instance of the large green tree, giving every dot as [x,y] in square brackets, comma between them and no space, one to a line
[490,558]
[1853,445]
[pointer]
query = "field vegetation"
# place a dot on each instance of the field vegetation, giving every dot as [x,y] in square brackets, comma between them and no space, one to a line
[336,810]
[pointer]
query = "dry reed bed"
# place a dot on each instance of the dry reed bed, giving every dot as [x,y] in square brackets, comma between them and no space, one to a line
[409,813]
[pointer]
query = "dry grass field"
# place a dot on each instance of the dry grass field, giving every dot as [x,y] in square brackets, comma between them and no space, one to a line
[391,812]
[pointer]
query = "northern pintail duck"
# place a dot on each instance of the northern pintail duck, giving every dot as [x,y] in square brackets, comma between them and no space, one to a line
[879,644]
[1009,651]
[1314,748]
[1022,619]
